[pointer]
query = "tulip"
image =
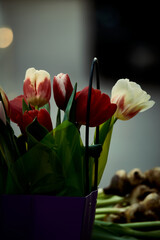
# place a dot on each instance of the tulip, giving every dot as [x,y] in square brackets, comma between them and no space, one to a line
[2,113]
[37,87]
[16,114]
[5,101]
[43,117]
[100,107]
[62,90]
[130,99]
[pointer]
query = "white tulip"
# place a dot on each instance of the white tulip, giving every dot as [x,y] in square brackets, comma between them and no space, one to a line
[130,99]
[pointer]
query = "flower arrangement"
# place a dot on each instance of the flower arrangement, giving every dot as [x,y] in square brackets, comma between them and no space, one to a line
[52,160]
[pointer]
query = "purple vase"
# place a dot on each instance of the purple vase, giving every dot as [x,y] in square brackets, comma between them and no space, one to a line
[34,217]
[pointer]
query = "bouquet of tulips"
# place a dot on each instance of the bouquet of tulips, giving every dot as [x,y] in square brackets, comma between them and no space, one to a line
[47,159]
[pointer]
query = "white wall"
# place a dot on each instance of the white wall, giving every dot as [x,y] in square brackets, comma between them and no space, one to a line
[50,35]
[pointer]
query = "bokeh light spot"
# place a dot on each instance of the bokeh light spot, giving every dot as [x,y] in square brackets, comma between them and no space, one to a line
[6,37]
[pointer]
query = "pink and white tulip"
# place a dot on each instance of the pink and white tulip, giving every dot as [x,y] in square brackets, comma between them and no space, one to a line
[37,87]
[130,99]
[62,90]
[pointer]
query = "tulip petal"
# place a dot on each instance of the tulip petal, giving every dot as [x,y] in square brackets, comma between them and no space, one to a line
[29,89]
[130,99]
[37,87]
[44,89]
[100,108]
[59,93]
[62,90]
[28,117]
[16,115]
[44,119]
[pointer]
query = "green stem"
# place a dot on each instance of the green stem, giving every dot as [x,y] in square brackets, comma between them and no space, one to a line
[110,201]
[113,121]
[99,216]
[123,230]
[110,210]
[36,107]
[141,224]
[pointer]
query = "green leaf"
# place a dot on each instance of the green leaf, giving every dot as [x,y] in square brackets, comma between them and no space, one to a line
[58,119]
[104,155]
[71,155]
[54,165]
[46,106]
[14,181]
[103,131]
[10,154]
[49,169]
[40,171]
[35,132]
[71,106]
[8,142]
[25,107]
[105,134]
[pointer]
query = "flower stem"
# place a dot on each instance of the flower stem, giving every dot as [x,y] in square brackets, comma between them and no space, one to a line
[99,216]
[107,210]
[141,224]
[110,201]
[123,229]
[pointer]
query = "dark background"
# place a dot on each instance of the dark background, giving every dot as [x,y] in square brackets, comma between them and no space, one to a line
[127,40]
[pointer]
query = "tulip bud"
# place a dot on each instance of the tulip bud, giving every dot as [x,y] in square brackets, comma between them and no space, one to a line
[130,99]
[37,87]
[62,90]
[100,107]
[2,113]
[5,101]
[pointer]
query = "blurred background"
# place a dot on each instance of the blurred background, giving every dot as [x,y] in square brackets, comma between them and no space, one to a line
[64,36]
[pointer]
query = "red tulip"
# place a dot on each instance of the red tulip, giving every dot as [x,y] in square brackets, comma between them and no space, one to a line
[62,90]
[42,115]
[5,101]
[37,87]
[101,109]
[16,115]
